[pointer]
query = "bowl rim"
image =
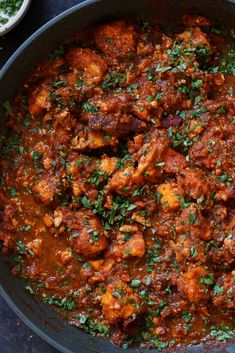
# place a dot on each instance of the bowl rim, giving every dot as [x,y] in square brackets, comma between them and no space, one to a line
[15,19]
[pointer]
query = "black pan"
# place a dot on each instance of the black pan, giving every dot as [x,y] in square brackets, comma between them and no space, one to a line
[37,316]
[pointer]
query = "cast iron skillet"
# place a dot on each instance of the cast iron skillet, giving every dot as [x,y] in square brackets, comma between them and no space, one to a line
[37,316]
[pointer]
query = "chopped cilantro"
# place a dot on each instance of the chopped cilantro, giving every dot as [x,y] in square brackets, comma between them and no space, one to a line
[187,317]
[112,80]
[135,283]
[160,164]
[197,84]
[21,247]
[160,344]
[79,82]
[208,279]
[36,155]
[159,96]
[148,280]
[58,84]
[90,108]
[149,99]
[58,52]
[222,333]
[13,192]
[87,266]
[85,202]
[7,105]
[193,251]
[64,303]
[30,289]
[93,327]
[25,228]
[218,289]
[192,218]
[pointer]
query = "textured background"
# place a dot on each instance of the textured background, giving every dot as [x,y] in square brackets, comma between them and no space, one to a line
[15,337]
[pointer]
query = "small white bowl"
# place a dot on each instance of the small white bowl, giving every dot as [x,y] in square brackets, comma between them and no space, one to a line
[14,20]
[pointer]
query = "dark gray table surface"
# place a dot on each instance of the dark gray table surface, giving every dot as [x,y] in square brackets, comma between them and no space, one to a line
[15,336]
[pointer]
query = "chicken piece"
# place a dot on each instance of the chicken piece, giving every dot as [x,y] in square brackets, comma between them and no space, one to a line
[48,220]
[64,120]
[78,163]
[58,217]
[80,167]
[226,253]
[152,152]
[114,102]
[141,111]
[107,165]
[7,240]
[116,39]
[64,256]
[195,128]
[146,101]
[35,246]
[135,145]
[144,47]
[103,168]
[47,188]
[142,219]
[85,169]
[147,92]
[193,222]
[96,264]
[194,38]
[174,161]
[124,180]
[169,196]
[78,187]
[190,284]
[86,234]
[115,123]
[47,162]
[130,242]
[39,100]
[69,89]
[224,291]
[231,226]
[188,249]
[119,302]
[219,212]
[224,194]
[135,246]
[194,183]
[101,270]
[89,238]
[111,114]
[229,244]
[93,66]
[171,97]
[92,140]
[207,151]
